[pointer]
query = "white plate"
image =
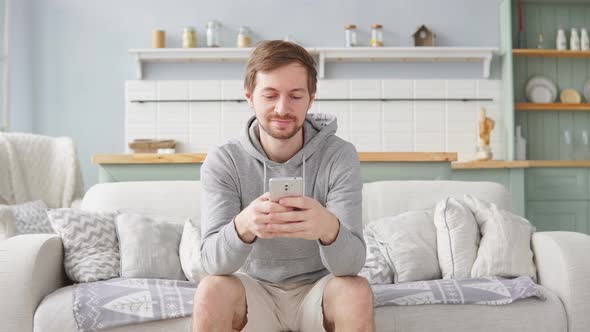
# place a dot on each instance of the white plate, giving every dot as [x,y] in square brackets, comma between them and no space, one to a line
[541,89]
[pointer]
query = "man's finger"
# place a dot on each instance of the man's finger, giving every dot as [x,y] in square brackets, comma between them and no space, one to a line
[291,227]
[288,216]
[299,202]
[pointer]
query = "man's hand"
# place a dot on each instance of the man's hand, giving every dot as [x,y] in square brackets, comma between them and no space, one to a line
[253,220]
[311,221]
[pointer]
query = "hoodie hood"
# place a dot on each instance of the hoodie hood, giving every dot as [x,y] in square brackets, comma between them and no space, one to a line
[317,127]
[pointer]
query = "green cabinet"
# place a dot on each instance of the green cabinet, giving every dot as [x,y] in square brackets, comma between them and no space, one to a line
[558,215]
[557,199]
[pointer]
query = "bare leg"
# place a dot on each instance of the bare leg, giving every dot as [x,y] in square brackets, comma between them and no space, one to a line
[348,305]
[219,305]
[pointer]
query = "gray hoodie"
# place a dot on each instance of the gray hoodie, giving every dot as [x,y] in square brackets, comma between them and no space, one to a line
[236,173]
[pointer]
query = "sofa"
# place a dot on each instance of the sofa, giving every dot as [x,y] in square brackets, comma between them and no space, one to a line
[37,296]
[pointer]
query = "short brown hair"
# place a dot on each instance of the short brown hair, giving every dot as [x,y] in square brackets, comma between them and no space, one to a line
[272,54]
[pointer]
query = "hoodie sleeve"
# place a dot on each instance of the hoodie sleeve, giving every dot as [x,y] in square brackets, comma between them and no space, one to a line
[346,255]
[222,250]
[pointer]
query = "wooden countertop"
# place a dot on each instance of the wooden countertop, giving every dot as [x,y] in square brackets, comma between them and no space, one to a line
[519,164]
[183,158]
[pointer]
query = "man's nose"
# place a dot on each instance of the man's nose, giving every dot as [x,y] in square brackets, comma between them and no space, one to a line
[282,105]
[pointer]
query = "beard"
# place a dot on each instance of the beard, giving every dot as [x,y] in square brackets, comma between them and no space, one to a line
[276,133]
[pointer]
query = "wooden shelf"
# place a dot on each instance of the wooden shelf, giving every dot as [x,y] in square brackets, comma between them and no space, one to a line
[192,158]
[518,164]
[324,54]
[551,107]
[532,52]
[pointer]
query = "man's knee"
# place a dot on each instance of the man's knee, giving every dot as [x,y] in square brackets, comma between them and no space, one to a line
[221,296]
[355,291]
[228,288]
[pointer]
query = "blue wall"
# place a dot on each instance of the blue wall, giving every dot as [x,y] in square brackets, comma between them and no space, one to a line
[70,57]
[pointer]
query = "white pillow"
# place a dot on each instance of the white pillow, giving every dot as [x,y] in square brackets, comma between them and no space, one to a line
[7,224]
[149,247]
[457,237]
[409,241]
[190,252]
[505,247]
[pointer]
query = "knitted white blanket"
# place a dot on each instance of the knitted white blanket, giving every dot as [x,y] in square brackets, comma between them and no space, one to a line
[39,167]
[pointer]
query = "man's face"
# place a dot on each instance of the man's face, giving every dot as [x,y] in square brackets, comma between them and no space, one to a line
[281,100]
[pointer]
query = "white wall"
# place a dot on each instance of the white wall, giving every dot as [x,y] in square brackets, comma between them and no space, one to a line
[73,61]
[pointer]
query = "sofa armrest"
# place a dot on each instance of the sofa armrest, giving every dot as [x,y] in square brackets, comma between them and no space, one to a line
[31,267]
[563,267]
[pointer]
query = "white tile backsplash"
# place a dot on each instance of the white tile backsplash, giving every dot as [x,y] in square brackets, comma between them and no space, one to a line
[370,125]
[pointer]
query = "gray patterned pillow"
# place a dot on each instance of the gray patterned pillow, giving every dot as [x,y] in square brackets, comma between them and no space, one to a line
[90,243]
[31,218]
[377,270]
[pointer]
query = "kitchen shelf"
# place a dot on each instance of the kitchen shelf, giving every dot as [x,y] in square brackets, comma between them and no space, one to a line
[551,107]
[496,164]
[324,54]
[191,158]
[531,52]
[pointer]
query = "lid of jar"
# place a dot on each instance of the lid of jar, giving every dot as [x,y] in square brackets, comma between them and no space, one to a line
[376,26]
[350,26]
[189,29]
[213,24]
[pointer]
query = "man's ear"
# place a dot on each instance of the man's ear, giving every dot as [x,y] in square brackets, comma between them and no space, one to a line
[248,96]
[311,99]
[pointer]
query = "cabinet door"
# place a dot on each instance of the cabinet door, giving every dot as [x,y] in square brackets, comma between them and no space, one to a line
[556,184]
[558,215]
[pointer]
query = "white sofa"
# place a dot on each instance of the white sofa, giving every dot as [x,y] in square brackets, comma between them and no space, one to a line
[35,294]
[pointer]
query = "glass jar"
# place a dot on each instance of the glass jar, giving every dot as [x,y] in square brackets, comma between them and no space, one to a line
[213,34]
[350,34]
[244,39]
[189,37]
[376,35]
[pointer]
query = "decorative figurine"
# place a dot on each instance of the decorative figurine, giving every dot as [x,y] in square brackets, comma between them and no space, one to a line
[486,125]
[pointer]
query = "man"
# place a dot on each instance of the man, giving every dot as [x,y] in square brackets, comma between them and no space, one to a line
[298,257]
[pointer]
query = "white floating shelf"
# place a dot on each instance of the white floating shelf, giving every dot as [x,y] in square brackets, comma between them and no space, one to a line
[326,54]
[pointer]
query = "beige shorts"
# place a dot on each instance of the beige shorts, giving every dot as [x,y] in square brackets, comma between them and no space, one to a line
[292,307]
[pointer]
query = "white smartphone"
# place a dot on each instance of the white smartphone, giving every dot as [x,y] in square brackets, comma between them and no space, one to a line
[285,187]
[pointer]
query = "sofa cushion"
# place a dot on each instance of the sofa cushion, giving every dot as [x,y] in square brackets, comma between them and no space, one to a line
[148,247]
[457,237]
[55,314]
[505,246]
[521,316]
[91,248]
[174,200]
[408,241]
[190,251]
[389,198]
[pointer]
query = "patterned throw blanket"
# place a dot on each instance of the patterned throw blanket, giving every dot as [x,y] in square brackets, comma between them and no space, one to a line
[117,302]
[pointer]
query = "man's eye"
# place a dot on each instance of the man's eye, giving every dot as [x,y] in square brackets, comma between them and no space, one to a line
[268,97]
[296,97]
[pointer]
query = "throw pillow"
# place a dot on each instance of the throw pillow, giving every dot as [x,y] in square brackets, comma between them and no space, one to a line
[31,218]
[149,247]
[7,226]
[91,249]
[409,242]
[457,237]
[190,251]
[505,247]
[376,270]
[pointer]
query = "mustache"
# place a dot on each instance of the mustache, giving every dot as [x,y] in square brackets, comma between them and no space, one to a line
[286,117]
